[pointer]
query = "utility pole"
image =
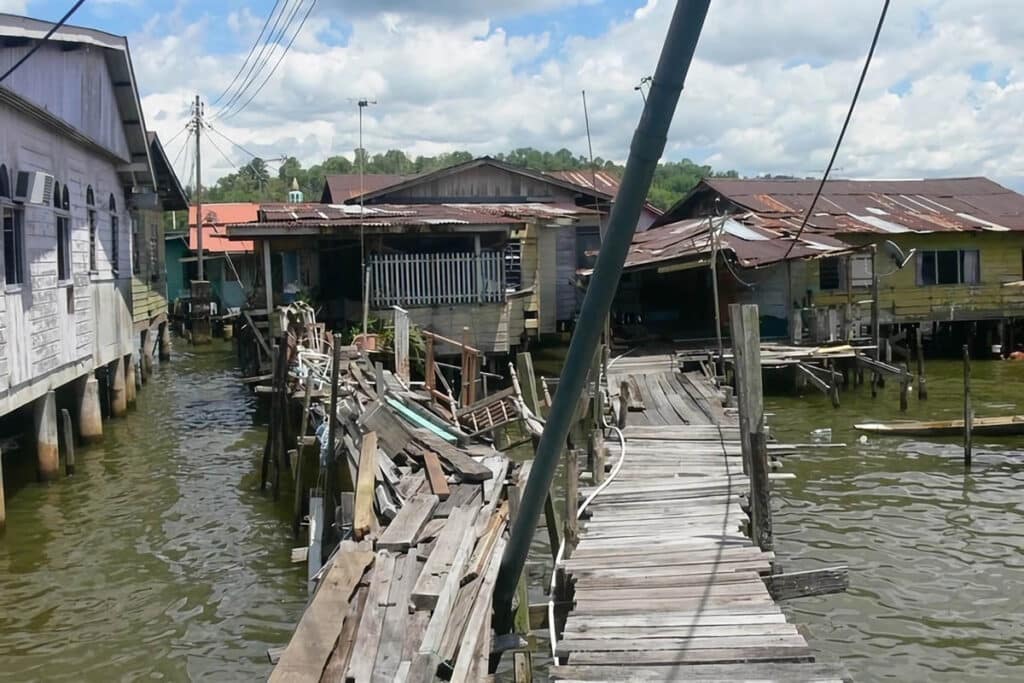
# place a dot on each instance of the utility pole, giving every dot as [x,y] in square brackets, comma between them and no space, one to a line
[197,122]
[363,103]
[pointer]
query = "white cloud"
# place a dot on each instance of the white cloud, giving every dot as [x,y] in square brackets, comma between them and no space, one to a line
[767,92]
[14,6]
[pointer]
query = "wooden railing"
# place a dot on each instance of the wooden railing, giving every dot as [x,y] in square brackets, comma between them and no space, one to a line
[433,279]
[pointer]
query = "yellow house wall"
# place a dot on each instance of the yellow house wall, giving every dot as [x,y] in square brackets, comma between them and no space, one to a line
[901,299]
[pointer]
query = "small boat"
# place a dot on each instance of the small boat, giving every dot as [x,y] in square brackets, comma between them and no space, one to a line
[1002,425]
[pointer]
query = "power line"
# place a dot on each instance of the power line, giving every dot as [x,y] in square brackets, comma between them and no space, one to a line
[251,50]
[842,132]
[232,142]
[45,38]
[261,61]
[277,64]
[181,151]
[223,155]
[174,137]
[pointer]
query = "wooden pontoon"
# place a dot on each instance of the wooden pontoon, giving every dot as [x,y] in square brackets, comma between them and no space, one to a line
[1001,425]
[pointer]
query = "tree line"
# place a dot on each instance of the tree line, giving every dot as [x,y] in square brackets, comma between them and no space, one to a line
[254,181]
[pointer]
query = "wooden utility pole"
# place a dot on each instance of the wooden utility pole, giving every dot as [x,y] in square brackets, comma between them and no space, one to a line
[197,122]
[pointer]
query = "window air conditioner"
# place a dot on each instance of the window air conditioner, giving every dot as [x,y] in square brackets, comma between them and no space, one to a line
[34,187]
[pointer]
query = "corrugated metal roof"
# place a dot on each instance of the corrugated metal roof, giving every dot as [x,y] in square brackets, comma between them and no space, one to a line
[223,213]
[602,181]
[215,241]
[345,186]
[879,206]
[283,217]
[752,244]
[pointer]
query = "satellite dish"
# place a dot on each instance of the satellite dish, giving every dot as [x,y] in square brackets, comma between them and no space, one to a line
[897,254]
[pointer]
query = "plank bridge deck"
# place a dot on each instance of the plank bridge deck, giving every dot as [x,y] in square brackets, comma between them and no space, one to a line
[667,583]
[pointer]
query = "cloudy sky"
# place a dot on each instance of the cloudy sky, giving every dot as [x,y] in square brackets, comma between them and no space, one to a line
[767,92]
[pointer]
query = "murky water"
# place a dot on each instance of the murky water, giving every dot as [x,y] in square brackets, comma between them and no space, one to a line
[936,555]
[159,559]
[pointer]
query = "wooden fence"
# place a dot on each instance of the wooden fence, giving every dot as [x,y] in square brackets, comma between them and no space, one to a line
[433,279]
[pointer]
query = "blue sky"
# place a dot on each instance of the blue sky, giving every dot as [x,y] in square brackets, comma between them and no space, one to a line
[767,92]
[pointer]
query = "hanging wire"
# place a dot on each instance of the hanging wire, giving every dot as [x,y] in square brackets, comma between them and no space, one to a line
[842,132]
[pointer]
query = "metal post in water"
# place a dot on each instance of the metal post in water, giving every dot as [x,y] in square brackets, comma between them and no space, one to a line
[645,151]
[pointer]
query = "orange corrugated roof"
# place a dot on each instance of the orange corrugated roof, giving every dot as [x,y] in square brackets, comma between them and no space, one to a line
[225,213]
[215,241]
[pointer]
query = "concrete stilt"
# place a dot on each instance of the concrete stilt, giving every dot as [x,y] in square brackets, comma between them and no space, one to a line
[47,453]
[129,380]
[118,395]
[148,342]
[165,341]
[90,415]
[138,377]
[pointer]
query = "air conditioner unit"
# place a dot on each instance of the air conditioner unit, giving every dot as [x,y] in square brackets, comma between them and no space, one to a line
[34,187]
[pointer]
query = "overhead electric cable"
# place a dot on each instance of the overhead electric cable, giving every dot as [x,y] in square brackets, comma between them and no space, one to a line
[53,29]
[260,61]
[277,64]
[251,51]
[842,132]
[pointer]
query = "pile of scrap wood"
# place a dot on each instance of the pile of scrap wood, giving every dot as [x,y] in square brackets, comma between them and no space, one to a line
[407,593]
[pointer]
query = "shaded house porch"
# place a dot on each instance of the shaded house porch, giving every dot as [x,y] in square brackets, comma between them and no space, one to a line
[448,266]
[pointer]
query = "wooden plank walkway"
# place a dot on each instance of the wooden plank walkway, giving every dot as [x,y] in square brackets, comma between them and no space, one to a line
[667,583]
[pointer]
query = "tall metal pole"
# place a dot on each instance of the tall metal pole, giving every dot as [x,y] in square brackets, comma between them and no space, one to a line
[198,123]
[362,236]
[645,151]
[713,235]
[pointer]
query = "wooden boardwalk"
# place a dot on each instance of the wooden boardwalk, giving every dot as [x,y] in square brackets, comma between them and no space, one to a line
[668,586]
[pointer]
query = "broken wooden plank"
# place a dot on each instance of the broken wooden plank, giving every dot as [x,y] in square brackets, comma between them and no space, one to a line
[806,583]
[479,618]
[486,543]
[401,534]
[435,475]
[313,640]
[396,620]
[363,515]
[338,663]
[458,461]
[368,635]
[440,561]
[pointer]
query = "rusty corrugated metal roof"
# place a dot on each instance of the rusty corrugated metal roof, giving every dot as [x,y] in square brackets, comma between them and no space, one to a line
[751,243]
[344,186]
[283,218]
[879,206]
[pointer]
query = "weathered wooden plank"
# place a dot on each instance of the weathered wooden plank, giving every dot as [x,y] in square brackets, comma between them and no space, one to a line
[479,618]
[368,635]
[775,653]
[764,671]
[313,640]
[396,619]
[435,475]
[401,534]
[486,543]
[695,631]
[806,583]
[439,562]
[338,663]
[363,512]
[466,467]
[462,495]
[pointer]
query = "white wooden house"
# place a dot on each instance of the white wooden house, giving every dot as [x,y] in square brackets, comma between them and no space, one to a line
[76,177]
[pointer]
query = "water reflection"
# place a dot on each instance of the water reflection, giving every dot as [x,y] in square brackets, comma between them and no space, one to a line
[159,558]
[935,552]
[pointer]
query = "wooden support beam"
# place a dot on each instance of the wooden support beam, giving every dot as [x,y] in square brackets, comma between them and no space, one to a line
[922,385]
[528,381]
[968,412]
[363,520]
[68,441]
[807,583]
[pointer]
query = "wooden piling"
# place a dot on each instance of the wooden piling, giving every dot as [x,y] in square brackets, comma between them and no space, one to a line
[746,336]
[904,388]
[90,415]
[129,380]
[165,342]
[118,394]
[68,441]
[571,534]
[146,354]
[47,450]
[922,384]
[331,480]
[968,413]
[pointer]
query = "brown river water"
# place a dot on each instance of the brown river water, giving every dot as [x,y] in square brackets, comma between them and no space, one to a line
[160,559]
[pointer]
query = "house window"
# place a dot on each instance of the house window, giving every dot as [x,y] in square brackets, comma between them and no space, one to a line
[5,183]
[114,229]
[588,242]
[829,273]
[514,264]
[949,267]
[861,270]
[14,238]
[63,248]
[90,202]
